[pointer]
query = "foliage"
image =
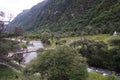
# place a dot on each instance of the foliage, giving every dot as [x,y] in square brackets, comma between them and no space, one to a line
[94,51]
[72,17]
[63,63]
[95,76]
[18,31]
[1,29]
[7,46]
[115,42]
[23,45]
[8,74]
[45,36]
[112,77]
[106,52]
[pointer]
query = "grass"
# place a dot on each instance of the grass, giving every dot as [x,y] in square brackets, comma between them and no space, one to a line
[99,37]
[97,76]
[8,74]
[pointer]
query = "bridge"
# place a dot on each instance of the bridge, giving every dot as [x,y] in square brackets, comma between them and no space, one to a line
[25,52]
[20,53]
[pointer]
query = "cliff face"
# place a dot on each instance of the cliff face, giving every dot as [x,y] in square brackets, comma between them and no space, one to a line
[90,16]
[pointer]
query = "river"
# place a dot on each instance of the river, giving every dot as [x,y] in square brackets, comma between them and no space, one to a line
[35,45]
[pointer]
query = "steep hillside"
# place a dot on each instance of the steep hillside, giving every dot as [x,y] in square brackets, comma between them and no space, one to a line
[27,17]
[76,16]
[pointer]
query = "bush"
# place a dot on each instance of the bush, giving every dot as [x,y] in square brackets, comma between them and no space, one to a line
[63,63]
[115,42]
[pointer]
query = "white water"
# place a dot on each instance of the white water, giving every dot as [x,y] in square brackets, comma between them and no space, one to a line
[33,45]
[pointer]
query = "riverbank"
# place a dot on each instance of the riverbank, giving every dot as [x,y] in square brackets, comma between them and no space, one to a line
[35,45]
[104,72]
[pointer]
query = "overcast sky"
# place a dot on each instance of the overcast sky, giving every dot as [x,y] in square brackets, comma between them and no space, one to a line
[16,6]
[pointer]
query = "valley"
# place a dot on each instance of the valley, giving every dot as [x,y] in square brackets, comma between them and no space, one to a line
[62,40]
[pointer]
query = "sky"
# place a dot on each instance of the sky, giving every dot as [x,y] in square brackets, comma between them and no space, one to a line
[15,7]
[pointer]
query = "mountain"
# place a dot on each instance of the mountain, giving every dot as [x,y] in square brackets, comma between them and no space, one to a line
[76,16]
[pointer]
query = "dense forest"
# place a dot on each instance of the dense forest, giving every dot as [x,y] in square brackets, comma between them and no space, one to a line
[80,41]
[73,17]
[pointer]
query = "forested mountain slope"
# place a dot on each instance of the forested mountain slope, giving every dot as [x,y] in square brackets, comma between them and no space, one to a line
[74,16]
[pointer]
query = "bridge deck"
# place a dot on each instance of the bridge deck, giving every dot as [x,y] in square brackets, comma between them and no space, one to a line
[25,52]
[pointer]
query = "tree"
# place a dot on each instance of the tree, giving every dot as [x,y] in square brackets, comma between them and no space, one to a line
[2,14]
[18,31]
[112,77]
[62,63]
[45,36]
[115,42]
[94,51]
[1,28]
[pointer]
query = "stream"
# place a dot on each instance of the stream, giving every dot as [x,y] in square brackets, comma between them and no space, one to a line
[35,45]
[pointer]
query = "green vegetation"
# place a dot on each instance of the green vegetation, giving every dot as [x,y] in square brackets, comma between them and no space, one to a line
[49,63]
[72,17]
[23,45]
[97,76]
[100,37]
[8,69]
[8,74]
[71,23]
[7,46]
[62,63]
[99,48]
[102,48]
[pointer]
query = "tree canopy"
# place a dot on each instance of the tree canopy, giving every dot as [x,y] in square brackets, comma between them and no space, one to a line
[62,63]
